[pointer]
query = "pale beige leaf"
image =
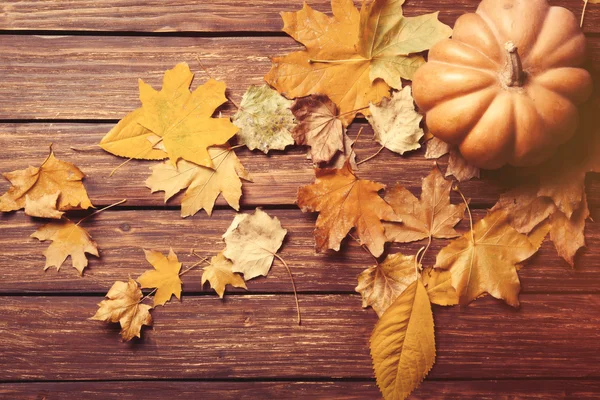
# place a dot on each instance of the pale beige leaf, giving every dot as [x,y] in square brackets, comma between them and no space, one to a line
[396,122]
[567,234]
[164,277]
[253,243]
[44,207]
[403,343]
[381,284]
[265,120]
[123,306]
[436,148]
[220,274]
[67,239]
[459,168]
[348,155]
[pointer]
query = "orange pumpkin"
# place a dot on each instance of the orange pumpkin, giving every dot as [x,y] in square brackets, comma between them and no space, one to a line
[506,87]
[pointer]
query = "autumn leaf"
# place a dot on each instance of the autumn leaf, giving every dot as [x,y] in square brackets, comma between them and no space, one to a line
[68,239]
[396,123]
[349,155]
[525,209]
[164,277]
[431,216]
[265,120]
[439,287]
[381,284]
[203,184]
[253,242]
[220,274]
[44,207]
[566,189]
[182,119]
[318,127]
[484,260]
[343,201]
[568,233]
[403,344]
[131,140]
[123,306]
[436,148]
[40,184]
[457,165]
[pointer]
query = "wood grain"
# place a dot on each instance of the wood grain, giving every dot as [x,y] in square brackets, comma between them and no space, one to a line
[204,16]
[256,337]
[121,235]
[358,390]
[91,77]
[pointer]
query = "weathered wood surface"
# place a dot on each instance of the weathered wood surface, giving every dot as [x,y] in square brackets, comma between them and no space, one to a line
[203,16]
[256,337]
[91,77]
[121,235]
[355,390]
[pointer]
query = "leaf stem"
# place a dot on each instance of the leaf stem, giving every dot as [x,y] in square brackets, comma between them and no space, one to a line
[422,250]
[585,2]
[148,295]
[371,156]
[193,266]
[456,189]
[364,248]
[100,210]
[202,67]
[293,286]
[353,111]
[84,148]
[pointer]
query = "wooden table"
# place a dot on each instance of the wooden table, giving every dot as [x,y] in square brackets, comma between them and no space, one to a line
[68,73]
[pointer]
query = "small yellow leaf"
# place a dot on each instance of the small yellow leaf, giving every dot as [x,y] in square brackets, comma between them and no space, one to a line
[403,343]
[439,287]
[164,276]
[220,274]
[67,239]
[123,306]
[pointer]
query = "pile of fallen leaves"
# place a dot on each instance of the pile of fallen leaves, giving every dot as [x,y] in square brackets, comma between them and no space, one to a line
[354,62]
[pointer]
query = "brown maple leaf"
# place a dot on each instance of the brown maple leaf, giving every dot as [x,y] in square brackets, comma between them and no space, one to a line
[343,201]
[41,184]
[318,127]
[430,217]
[123,306]
[381,284]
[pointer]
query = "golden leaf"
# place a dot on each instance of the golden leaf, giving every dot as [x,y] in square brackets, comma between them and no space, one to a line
[164,277]
[343,201]
[439,287]
[431,216]
[203,184]
[220,274]
[37,183]
[123,306]
[67,239]
[253,242]
[403,343]
[484,260]
[381,284]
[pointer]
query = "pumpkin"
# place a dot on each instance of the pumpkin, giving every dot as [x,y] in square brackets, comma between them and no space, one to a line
[505,89]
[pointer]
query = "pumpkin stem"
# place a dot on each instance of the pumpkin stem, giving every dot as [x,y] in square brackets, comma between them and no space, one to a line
[513,72]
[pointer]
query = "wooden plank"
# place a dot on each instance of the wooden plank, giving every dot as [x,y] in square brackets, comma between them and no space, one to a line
[255,337]
[91,77]
[214,16]
[480,390]
[121,235]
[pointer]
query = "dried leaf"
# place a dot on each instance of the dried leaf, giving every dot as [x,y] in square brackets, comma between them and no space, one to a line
[431,216]
[220,274]
[131,140]
[203,184]
[484,260]
[439,287]
[568,233]
[164,277]
[124,307]
[67,239]
[44,207]
[343,202]
[318,127]
[37,183]
[349,155]
[396,123]
[436,148]
[525,208]
[381,284]
[459,168]
[566,189]
[182,119]
[265,120]
[403,343]
[253,243]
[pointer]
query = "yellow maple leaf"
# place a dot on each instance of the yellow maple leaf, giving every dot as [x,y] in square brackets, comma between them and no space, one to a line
[485,259]
[353,58]
[123,306]
[343,202]
[68,239]
[164,277]
[381,284]
[220,274]
[403,343]
[35,184]
[203,184]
